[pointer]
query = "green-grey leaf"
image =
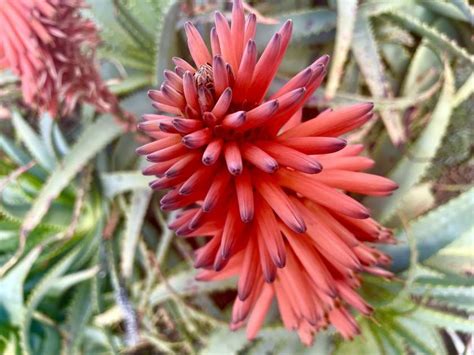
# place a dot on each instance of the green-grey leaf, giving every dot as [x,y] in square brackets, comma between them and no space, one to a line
[438,39]
[185,284]
[435,230]
[15,153]
[307,25]
[11,297]
[366,343]
[367,57]
[59,141]
[134,220]
[464,92]
[166,36]
[464,7]
[457,257]
[445,9]
[92,140]
[416,335]
[443,320]
[33,142]
[412,167]
[224,341]
[79,313]
[423,71]
[123,181]
[377,7]
[66,282]
[40,290]
[130,84]
[46,127]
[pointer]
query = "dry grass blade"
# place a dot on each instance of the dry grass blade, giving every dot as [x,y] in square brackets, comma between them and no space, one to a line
[346,17]
[366,54]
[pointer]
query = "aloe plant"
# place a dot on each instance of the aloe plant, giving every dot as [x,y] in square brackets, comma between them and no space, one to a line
[87,263]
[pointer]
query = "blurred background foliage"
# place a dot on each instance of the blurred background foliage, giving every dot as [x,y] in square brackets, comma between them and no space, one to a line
[87,264]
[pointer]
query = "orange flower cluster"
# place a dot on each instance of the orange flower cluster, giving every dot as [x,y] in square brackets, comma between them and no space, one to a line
[266,188]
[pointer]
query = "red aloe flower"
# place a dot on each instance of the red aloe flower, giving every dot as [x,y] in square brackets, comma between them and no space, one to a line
[51,48]
[265,187]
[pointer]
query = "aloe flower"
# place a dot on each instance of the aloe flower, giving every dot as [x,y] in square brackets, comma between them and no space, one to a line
[51,48]
[267,188]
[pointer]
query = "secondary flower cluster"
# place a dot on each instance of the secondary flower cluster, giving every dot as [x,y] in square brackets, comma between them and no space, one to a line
[51,48]
[265,187]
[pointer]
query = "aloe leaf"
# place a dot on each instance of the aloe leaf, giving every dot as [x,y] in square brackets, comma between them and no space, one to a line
[441,319]
[110,317]
[15,153]
[78,315]
[397,58]
[412,167]
[166,37]
[464,7]
[423,71]
[167,234]
[297,56]
[46,127]
[435,230]
[445,9]
[438,39]
[134,221]
[123,181]
[127,59]
[457,257]
[279,341]
[98,341]
[40,290]
[10,347]
[119,43]
[33,142]
[8,235]
[418,201]
[346,16]
[59,141]
[137,103]
[398,103]
[66,282]
[307,25]
[11,297]
[233,344]
[458,297]
[464,92]
[185,284]
[458,303]
[366,343]
[366,54]
[130,84]
[92,140]
[378,7]
[351,77]
[389,341]
[418,336]
[134,27]
[51,341]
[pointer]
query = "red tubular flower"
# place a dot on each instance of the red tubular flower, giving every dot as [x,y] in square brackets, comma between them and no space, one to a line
[51,48]
[267,189]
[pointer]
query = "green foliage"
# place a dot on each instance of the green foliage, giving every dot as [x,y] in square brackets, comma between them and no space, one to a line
[87,263]
[94,138]
[412,167]
[435,230]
